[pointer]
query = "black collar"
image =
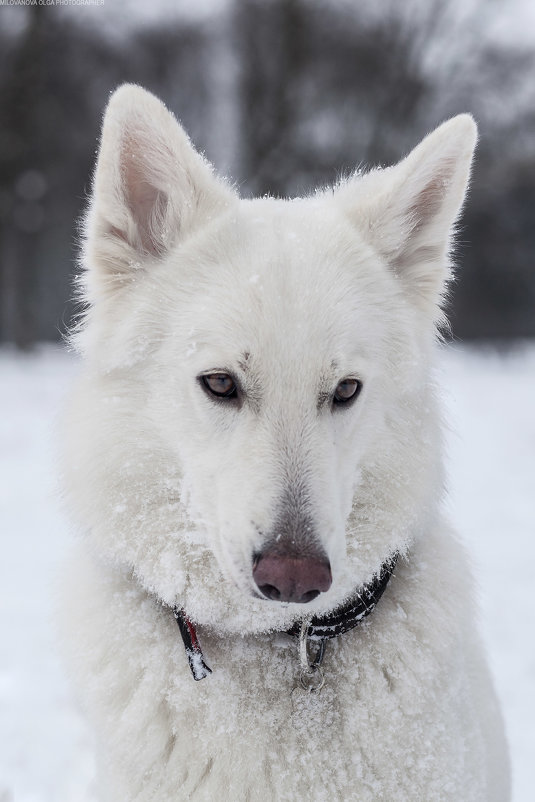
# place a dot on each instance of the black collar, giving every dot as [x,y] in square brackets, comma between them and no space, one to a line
[358,606]
[321,628]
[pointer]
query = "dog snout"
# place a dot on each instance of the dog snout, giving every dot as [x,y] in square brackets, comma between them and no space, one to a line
[288,578]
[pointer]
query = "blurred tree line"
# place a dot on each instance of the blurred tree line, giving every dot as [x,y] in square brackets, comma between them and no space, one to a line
[282,95]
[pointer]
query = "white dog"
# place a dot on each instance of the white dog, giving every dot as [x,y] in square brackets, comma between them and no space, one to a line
[254,452]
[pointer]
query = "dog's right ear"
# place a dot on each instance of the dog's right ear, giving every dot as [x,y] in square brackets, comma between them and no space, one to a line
[150,190]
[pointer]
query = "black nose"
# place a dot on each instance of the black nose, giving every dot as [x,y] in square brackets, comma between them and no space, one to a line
[291,579]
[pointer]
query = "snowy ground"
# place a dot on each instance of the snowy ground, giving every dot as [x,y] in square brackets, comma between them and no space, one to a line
[45,753]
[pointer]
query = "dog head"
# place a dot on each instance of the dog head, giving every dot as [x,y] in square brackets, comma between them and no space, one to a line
[256,423]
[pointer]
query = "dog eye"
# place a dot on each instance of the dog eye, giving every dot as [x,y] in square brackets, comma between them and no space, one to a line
[220,384]
[347,390]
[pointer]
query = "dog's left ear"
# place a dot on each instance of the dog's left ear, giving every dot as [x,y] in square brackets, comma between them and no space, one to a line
[407,212]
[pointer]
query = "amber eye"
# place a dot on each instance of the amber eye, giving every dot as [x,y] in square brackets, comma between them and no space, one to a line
[347,390]
[220,385]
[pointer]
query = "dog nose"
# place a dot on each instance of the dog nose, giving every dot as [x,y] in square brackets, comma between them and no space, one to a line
[291,579]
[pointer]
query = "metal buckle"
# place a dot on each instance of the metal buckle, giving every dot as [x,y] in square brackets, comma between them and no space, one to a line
[311,677]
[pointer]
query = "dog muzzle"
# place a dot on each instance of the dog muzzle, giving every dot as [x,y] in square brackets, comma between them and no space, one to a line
[315,629]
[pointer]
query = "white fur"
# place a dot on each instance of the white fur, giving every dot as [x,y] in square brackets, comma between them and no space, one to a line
[175,492]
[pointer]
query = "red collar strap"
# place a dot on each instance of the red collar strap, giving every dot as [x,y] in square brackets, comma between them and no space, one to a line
[198,667]
[321,628]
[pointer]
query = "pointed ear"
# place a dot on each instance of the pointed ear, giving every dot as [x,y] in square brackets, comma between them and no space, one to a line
[151,188]
[407,212]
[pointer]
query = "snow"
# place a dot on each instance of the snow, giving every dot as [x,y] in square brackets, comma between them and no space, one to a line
[492,482]
[45,750]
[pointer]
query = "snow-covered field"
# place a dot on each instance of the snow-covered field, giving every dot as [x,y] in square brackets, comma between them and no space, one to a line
[45,752]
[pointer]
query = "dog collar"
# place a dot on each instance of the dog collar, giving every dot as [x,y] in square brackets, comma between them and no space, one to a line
[318,628]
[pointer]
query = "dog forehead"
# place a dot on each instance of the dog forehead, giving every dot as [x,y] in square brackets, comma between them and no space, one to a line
[299,257]
[290,280]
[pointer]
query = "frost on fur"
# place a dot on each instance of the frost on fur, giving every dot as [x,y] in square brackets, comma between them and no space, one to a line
[407,212]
